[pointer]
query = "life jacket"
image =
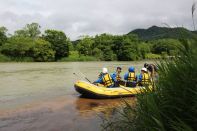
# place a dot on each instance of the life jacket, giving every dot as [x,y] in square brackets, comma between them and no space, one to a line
[131,77]
[118,78]
[145,79]
[107,80]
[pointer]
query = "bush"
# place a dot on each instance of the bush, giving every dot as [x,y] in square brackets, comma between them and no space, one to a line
[21,59]
[152,56]
[18,47]
[42,51]
[59,41]
[4,58]
[74,56]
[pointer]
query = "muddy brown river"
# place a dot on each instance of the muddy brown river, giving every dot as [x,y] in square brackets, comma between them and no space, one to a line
[41,96]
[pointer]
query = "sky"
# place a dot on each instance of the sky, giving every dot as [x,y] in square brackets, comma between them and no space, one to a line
[90,17]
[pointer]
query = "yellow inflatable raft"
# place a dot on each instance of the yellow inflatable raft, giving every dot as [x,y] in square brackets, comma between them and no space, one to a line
[94,91]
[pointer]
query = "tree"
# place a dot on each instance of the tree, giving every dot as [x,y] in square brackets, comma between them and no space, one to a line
[18,47]
[3,37]
[97,53]
[84,46]
[166,45]
[102,41]
[30,30]
[144,48]
[125,48]
[42,51]
[59,41]
[108,54]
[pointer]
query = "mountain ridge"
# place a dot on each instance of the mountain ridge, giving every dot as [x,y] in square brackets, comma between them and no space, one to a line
[156,32]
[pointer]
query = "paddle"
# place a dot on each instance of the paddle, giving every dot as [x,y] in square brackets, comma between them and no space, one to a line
[84,77]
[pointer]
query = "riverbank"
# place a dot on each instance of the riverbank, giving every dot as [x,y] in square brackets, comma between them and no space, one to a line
[75,57]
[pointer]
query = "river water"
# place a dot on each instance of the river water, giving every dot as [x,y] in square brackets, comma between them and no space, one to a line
[41,96]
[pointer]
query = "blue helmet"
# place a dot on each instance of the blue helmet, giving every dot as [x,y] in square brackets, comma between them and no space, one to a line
[131,69]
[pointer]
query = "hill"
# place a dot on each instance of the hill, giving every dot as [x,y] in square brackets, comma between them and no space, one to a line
[156,32]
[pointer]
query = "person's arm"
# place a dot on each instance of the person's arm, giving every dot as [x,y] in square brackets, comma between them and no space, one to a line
[126,76]
[140,77]
[136,78]
[113,76]
[98,81]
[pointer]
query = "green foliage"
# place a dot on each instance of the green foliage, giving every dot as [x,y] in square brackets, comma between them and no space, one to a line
[108,47]
[27,49]
[18,47]
[27,42]
[103,40]
[152,56]
[84,46]
[74,56]
[173,104]
[4,58]
[97,53]
[127,50]
[21,59]
[170,46]
[102,47]
[42,51]
[144,49]
[71,46]
[155,33]
[59,41]
[30,30]
[108,54]
[3,37]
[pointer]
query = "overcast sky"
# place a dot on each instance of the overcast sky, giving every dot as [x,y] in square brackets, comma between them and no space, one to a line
[90,17]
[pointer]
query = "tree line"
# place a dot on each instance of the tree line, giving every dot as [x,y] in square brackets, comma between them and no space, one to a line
[109,47]
[30,44]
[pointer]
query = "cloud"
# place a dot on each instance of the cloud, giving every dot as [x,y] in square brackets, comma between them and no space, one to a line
[90,17]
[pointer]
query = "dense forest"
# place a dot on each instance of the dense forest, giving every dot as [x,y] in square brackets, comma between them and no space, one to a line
[29,44]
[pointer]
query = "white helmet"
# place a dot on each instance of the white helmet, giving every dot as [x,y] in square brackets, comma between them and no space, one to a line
[144,69]
[105,70]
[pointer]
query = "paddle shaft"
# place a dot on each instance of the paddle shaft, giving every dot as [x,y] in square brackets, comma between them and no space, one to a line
[84,77]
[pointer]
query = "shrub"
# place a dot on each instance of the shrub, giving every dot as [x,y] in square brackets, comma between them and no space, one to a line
[4,58]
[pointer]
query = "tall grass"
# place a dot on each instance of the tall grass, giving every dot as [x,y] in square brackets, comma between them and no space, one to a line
[171,107]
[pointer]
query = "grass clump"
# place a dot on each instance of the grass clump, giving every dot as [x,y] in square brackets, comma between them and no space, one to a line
[171,107]
[152,56]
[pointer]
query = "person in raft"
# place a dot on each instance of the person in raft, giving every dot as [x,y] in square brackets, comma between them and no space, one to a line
[153,69]
[144,78]
[117,78]
[105,79]
[130,77]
